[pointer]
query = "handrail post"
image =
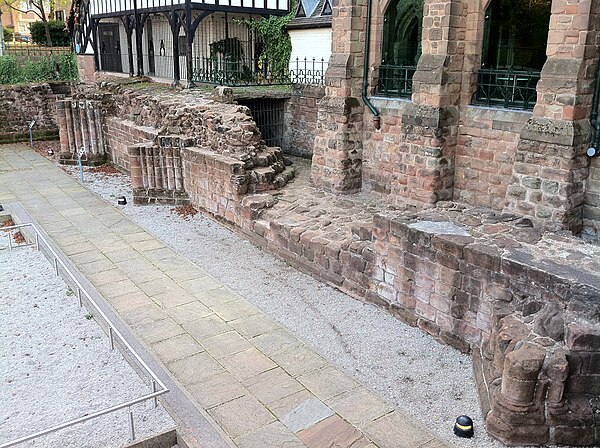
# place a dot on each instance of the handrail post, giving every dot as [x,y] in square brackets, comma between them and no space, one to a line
[155,399]
[111,338]
[131,424]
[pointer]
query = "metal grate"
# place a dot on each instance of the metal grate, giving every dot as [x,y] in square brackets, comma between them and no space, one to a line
[507,88]
[268,114]
[395,80]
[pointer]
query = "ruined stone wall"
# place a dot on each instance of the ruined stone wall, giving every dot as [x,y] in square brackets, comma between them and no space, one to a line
[301,120]
[478,281]
[120,135]
[20,104]
[485,155]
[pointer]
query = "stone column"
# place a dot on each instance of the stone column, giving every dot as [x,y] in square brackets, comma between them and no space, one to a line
[61,121]
[431,121]
[337,154]
[550,164]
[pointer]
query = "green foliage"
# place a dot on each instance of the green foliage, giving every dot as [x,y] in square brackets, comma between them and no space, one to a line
[8,33]
[58,33]
[278,46]
[58,68]
[9,70]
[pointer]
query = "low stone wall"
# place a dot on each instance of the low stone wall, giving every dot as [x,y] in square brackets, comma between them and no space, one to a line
[20,104]
[301,120]
[489,284]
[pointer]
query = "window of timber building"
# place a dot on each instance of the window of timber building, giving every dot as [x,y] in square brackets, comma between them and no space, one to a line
[401,47]
[514,51]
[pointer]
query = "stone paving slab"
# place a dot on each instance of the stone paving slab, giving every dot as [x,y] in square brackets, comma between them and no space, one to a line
[253,378]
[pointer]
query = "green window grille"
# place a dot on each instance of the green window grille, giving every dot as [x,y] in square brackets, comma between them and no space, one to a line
[401,47]
[513,54]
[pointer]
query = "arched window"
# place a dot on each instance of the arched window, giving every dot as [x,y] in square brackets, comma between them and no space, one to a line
[513,53]
[401,47]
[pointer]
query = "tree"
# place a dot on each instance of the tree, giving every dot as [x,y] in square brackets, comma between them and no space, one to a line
[44,9]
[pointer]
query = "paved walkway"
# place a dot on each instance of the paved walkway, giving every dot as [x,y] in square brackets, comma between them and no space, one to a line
[258,383]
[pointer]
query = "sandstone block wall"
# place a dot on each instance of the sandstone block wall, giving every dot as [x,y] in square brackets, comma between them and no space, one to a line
[485,155]
[217,183]
[21,104]
[477,281]
[301,119]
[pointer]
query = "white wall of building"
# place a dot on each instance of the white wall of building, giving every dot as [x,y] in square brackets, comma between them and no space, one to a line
[309,44]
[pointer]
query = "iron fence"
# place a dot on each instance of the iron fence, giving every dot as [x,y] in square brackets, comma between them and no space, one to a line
[395,80]
[510,89]
[308,71]
[158,388]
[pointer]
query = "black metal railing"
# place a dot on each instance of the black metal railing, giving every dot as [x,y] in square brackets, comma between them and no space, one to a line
[308,71]
[232,72]
[510,89]
[395,80]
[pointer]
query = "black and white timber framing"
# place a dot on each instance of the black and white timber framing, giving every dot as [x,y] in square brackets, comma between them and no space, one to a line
[154,32]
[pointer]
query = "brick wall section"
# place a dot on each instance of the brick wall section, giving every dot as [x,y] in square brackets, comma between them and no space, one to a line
[300,122]
[86,67]
[120,135]
[485,155]
[214,182]
[21,104]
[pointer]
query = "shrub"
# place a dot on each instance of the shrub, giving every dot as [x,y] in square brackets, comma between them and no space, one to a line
[9,70]
[58,68]
[58,33]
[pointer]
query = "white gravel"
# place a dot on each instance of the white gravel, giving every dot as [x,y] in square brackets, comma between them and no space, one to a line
[432,382]
[56,364]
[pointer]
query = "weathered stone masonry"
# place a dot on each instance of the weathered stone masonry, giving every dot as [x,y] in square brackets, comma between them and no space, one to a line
[438,147]
[20,104]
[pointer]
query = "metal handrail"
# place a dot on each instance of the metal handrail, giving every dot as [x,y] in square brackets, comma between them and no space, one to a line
[112,332]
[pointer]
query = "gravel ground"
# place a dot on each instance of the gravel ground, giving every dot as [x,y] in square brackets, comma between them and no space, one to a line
[432,382]
[56,364]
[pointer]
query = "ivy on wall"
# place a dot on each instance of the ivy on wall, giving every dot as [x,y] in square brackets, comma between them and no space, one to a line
[277,44]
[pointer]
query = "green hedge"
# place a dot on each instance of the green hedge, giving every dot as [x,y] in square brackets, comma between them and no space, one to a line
[58,68]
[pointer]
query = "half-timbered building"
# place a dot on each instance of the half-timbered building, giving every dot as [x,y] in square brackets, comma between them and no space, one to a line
[181,40]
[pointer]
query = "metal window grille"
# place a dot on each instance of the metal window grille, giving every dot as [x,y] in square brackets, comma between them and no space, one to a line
[509,89]
[395,80]
[268,115]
